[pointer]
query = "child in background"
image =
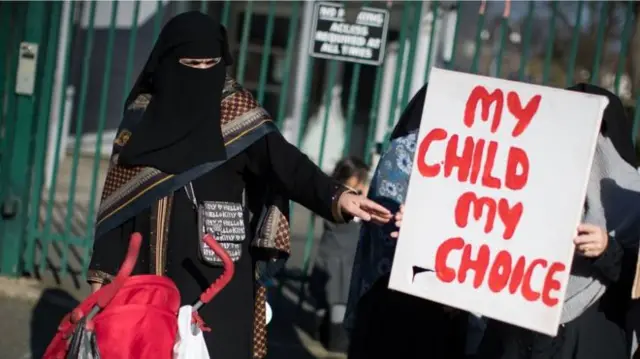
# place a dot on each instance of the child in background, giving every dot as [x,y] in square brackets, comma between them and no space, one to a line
[331,273]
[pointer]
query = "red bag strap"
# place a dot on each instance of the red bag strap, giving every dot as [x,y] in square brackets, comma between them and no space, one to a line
[109,291]
[224,279]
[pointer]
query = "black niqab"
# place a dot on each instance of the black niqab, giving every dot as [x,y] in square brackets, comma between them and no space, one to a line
[410,119]
[181,128]
[615,123]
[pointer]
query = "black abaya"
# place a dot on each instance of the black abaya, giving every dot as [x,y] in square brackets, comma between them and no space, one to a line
[389,324]
[590,336]
[230,315]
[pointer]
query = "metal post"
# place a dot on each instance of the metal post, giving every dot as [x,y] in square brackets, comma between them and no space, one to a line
[17,175]
[58,91]
[293,122]
[422,49]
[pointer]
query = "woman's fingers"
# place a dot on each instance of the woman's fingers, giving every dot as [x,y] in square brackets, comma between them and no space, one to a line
[378,219]
[587,228]
[376,213]
[591,240]
[374,208]
[398,217]
[400,214]
[356,211]
[584,239]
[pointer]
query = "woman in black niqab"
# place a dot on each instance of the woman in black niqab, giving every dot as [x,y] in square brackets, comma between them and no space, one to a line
[194,153]
[181,126]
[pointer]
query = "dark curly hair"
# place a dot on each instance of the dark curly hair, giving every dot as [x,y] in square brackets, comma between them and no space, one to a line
[350,167]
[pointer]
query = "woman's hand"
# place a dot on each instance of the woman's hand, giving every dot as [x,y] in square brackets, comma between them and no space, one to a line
[363,208]
[398,218]
[591,240]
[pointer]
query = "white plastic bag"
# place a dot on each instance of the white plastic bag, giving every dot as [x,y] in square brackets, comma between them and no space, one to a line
[269,312]
[189,344]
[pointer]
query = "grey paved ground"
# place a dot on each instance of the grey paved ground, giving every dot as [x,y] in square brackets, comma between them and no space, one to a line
[30,310]
[30,313]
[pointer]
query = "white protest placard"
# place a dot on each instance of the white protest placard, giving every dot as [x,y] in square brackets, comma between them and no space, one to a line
[496,193]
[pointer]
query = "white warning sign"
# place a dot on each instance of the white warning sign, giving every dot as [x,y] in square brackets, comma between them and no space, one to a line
[354,35]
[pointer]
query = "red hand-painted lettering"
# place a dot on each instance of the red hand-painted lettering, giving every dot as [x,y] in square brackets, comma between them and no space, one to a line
[517,159]
[437,134]
[522,115]
[481,95]
[463,162]
[509,215]
[502,274]
[551,284]
[488,179]
[444,272]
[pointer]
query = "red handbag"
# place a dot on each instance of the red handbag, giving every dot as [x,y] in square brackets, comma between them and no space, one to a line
[133,317]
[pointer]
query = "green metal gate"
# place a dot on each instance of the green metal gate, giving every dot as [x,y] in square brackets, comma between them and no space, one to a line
[23,118]
[49,180]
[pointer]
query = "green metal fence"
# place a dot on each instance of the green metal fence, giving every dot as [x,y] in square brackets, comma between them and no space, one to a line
[50,178]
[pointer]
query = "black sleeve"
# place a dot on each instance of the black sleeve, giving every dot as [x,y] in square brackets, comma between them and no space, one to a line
[294,175]
[110,249]
[609,264]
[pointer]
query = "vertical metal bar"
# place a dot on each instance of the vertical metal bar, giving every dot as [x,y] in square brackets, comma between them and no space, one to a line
[456,31]
[131,51]
[549,52]
[46,236]
[41,133]
[19,11]
[157,20]
[351,104]
[400,62]
[284,87]
[526,41]
[292,125]
[602,25]
[224,19]
[478,39]
[7,51]
[333,71]
[204,6]
[8,249]
[636,122]
[575,41]
[427,70]
[413,47]
[373,123]
[246,31]
[264,62]
[104,96]
[303,58]
[504,27]
[624,47]
[304,114]
[181,7]
[13,234]
[5,39]
[86,64]
[351,108]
